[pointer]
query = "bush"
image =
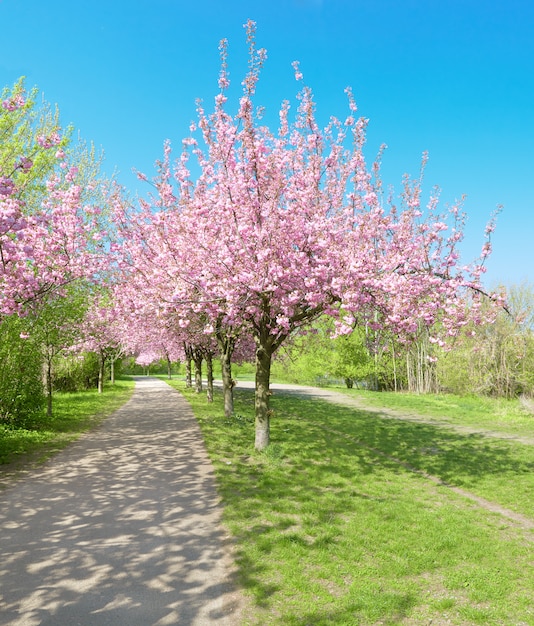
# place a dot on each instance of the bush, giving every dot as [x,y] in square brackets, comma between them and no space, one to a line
[76,373]
[21,389]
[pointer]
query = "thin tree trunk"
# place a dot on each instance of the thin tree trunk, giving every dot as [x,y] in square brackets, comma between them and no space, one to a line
[226,345]
[112,371]
[395,387]
[169,368]
[101,367]
[188,373]
[209,372]
[228,384]
[48,386]
[197,360]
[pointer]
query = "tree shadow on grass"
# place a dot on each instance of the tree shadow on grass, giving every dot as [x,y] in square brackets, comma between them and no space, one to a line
[293,507]
[446,454]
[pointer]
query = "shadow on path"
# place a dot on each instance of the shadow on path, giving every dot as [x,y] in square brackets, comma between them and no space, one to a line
[121,528]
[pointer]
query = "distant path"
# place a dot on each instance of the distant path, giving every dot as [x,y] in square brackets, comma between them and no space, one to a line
[122,528]
[337,397]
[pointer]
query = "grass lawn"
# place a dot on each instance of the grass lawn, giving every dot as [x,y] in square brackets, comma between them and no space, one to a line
[333,526]
[498,414]
[74,413]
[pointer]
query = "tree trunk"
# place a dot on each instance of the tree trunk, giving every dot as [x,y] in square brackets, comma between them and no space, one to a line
[188,358]
[209,372]
[48,386]
[228,384]
[112,371]
[188,374]
[197,360]
[101,367]
[263,375]
[226,345]
[395,388]
[169,368]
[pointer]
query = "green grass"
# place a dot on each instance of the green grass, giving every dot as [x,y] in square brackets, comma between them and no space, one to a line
[74,413]
[499,414]
[333,527]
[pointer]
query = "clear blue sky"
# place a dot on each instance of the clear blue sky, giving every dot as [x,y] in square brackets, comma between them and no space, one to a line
[454,77]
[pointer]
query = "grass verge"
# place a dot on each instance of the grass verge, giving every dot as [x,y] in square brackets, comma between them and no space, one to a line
[74,414]
[498,414]
[332,527]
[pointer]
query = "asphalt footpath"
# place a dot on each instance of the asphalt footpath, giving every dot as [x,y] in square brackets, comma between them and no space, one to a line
[121,528]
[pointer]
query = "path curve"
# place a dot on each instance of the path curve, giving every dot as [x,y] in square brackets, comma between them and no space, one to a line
[331,395]
[120,528]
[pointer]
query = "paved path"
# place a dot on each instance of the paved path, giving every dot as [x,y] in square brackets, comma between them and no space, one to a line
[121,528]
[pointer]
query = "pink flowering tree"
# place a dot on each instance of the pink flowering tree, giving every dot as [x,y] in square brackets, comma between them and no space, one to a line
[49,234]
[282,226]
[159,260]
[102,333]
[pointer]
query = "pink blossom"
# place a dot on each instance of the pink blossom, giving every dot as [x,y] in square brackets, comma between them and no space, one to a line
[53,139]
[25,164]
[7,186]
[14,103]
[298,73]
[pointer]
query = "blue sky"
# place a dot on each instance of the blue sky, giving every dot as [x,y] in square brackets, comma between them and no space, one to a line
[453,77]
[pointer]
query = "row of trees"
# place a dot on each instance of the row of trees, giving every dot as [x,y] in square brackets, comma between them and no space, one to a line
[249,236]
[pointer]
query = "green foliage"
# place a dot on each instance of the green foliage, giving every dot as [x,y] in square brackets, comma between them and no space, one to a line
[21,390]
[315,356]
[76,372]
[351,359]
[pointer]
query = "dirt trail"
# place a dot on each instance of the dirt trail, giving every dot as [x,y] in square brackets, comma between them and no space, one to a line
[340,398]
[330,395]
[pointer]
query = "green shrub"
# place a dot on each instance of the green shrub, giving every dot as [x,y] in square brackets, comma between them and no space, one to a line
[76,372]
[21,389]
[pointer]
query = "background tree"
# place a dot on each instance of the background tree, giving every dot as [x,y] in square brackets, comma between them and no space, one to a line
[54,324]
[496,358]
[49,236]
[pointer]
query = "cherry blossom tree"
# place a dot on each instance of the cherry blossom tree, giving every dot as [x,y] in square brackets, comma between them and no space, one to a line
[283,226]
[49,236]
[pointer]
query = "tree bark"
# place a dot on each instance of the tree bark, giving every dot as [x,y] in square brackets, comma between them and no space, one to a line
[228,384]
[101,367]
[48,386]
[188,358]
[226,345]
[262,395]
[197,360]
[209,373]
